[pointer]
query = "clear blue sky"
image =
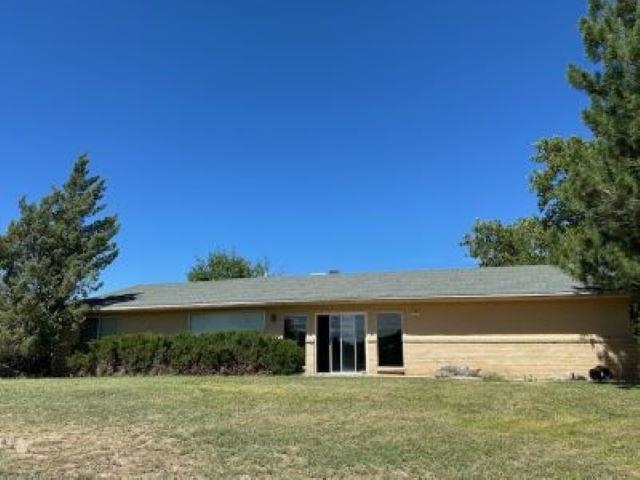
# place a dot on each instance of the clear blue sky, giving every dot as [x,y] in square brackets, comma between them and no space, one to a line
[358,135]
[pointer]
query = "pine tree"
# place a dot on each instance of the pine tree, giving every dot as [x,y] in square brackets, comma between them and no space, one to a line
[50,261]
[589,189]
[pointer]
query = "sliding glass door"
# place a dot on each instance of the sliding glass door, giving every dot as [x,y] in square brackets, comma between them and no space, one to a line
[341,343]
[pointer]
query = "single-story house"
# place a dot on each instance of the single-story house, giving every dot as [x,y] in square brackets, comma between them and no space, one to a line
[518,322]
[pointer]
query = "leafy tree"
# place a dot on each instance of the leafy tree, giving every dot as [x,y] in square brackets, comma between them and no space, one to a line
[589,189]
[494,244]
[50,261]
[225,264]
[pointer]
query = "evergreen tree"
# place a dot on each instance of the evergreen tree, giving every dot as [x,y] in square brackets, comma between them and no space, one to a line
[50,261]
[589,189]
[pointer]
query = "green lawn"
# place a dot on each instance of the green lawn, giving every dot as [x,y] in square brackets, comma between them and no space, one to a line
[317,427]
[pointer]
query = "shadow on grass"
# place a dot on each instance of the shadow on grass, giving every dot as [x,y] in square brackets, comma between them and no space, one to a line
[628,385]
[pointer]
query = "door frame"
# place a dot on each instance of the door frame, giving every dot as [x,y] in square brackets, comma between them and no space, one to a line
[366,346]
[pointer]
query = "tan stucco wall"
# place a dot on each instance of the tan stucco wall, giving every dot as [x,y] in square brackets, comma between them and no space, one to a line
[524,338]
[520,339]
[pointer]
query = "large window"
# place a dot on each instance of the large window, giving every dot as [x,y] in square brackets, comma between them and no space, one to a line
[226,321]
[390,340]
[295,328]
[93,328]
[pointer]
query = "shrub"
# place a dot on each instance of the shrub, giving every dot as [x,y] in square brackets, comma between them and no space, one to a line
[492,377]
[284,358]
[229,353]
[80,364]
[448,371]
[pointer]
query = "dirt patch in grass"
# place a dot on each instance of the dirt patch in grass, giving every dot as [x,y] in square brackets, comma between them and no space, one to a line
[74,452]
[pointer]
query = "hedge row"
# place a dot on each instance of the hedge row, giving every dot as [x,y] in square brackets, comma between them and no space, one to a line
[228,353]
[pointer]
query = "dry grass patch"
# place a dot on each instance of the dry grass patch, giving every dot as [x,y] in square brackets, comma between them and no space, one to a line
[101,452]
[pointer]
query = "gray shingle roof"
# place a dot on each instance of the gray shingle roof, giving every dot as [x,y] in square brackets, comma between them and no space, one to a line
[410,285]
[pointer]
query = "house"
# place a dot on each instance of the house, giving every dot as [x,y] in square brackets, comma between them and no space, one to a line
[518,322]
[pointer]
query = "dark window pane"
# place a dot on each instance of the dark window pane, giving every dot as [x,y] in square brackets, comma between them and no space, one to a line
[295,328]
[360,344]
[322,344]
[89,330]
[390,340]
